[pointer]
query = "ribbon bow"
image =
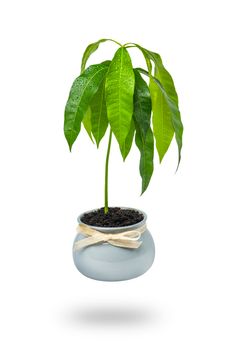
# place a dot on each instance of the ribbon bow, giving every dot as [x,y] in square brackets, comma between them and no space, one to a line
[125,239]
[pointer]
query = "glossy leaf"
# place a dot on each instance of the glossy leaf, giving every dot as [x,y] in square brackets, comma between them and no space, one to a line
[99,114]
[91,48]
[143,71]
[142,104]
[171,107]
[119,94]
[81,94]
[169,98]
[163,76]
[125,149]
[146,148]
[162,123]
[146,56]
[87,123]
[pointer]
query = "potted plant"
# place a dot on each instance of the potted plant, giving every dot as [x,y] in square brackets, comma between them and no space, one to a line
[113,243]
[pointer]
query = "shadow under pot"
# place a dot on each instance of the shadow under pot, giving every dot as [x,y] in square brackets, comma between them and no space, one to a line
[103,253]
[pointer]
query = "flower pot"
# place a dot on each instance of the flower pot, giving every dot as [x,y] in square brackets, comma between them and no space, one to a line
[107,262]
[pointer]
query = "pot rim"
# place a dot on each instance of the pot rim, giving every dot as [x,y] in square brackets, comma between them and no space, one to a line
[115,229]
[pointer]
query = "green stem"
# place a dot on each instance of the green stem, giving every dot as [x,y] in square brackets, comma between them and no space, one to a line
[106,173]
[128,45]
[114,41]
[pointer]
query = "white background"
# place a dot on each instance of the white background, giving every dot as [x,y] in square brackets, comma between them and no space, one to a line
[186,299]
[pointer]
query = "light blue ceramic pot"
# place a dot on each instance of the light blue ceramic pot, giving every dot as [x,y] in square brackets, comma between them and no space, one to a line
[105,262]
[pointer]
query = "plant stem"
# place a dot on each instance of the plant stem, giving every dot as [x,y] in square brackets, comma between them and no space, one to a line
[114,41]
[106,173]
[128,45]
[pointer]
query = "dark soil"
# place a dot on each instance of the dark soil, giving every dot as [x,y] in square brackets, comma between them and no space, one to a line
[116,217]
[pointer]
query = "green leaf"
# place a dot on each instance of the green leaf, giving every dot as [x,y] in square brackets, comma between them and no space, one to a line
[143,71]
[87,123]
[81,94]
[144,136]
[171,107]
[88,51]
[125,149]
[91,49]
[142,104]
[169,98]
[147,59]
[162,123]
[145,54]
[146,148]
[163,76]
[119,94]
[99,114]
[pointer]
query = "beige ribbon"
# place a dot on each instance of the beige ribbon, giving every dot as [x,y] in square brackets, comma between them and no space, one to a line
[125,239]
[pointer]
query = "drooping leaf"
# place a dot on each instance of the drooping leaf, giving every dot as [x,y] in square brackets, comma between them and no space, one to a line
[172,98]
[99,114]
[126,147]
[87,123]
[171,108]
[162,123]
[143,71]
[145,54]
[146,148]
[142,104]
[169,92]
[119,94]
[144,136]
[163,76]
[91,48]
[81,94]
